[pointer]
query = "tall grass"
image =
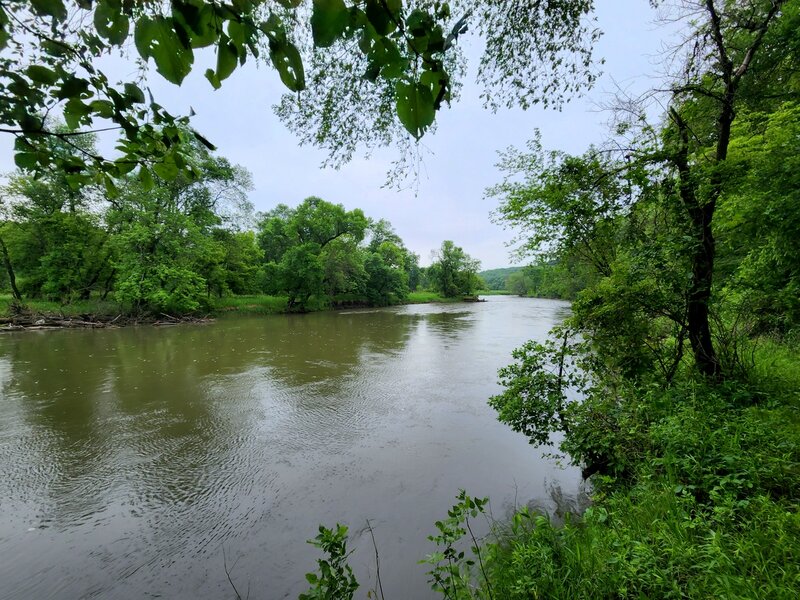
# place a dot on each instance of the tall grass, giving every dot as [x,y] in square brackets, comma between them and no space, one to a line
[254,305]
[93,306]
[711,510]
[424,297]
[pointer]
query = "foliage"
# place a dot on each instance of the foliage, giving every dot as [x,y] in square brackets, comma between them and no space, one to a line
[320,250]
[562,279]
[390,62]
[54,241]
[759,220]
[169,254]
[162,246]
[310,248]
[563,204]
[642,211]
[335,580]
[251,304]
[453,272]
[540,389]
[709,509]
[497,279]
[451,569]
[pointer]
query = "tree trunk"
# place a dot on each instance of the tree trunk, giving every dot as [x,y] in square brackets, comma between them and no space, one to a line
[702,257]
[700,297]
[107,284]
[12,279]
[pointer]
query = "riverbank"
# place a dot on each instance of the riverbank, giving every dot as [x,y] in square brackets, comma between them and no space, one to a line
[705,502]
[96,313]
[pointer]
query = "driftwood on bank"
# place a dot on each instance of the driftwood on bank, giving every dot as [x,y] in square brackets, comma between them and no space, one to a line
[39,321]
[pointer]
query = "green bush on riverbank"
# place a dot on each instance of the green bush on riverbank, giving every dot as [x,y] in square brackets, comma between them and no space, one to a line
[707,508]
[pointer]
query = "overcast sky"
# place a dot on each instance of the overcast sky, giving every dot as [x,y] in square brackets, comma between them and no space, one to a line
[449,200]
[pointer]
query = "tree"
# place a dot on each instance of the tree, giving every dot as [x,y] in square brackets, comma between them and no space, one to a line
[386,275]
[54,237]
[168,255]
[343,261]
[301,274]
[453,272]
[306,249]
[730,38]
[379,62]
[564,205]
[758,220]
[398,266]
[737,51]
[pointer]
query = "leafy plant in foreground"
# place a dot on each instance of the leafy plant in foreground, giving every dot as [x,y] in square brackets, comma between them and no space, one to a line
[451,574]
[335,580]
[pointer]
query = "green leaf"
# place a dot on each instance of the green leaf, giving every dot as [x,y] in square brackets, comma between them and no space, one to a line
[166,169]
[212,77]
[146,179]
[436,81]
[380,17]
[173,59]
[289,64]
[102,108]
[111,22]
[26,160]
[414,107]
[227,57]
[77,180]
[41,74]
[72,87]
[75,112]
[200,23]
[111,189]
[4,33]
[124,166]
[393,64]
[135,93]
[143,35]
[329,20]
[53,8]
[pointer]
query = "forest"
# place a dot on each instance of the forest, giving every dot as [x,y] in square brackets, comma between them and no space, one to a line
[190,245]
[674,385]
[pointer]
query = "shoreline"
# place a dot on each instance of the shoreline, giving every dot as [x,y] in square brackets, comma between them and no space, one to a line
[41,320]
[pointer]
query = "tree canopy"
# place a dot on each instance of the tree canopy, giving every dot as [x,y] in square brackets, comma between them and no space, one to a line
[453,272]
[347,64]
[641,209]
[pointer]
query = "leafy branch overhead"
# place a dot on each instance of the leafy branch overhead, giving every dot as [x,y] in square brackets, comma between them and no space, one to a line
[393,62]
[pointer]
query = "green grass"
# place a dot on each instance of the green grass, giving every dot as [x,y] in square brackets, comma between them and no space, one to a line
[251,305]
[424,297]
[493,293]
[652,543]
[93,306]
[258,304]
[711,508]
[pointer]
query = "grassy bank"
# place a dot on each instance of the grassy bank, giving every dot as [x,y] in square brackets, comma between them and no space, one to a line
[94,306]
[106,310]
[705,506]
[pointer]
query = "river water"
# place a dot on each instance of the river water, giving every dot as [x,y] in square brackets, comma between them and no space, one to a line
[141,462]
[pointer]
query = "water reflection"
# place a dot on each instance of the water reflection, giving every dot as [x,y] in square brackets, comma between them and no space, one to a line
[130,458]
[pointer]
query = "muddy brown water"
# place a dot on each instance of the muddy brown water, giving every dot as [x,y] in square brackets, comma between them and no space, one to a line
[139,462]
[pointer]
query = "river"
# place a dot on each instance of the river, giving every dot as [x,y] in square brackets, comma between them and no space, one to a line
[139,462]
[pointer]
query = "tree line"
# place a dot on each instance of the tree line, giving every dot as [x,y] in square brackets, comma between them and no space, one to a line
[174,245]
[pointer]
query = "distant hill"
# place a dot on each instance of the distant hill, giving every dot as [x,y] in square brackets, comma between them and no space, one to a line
[496,278]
